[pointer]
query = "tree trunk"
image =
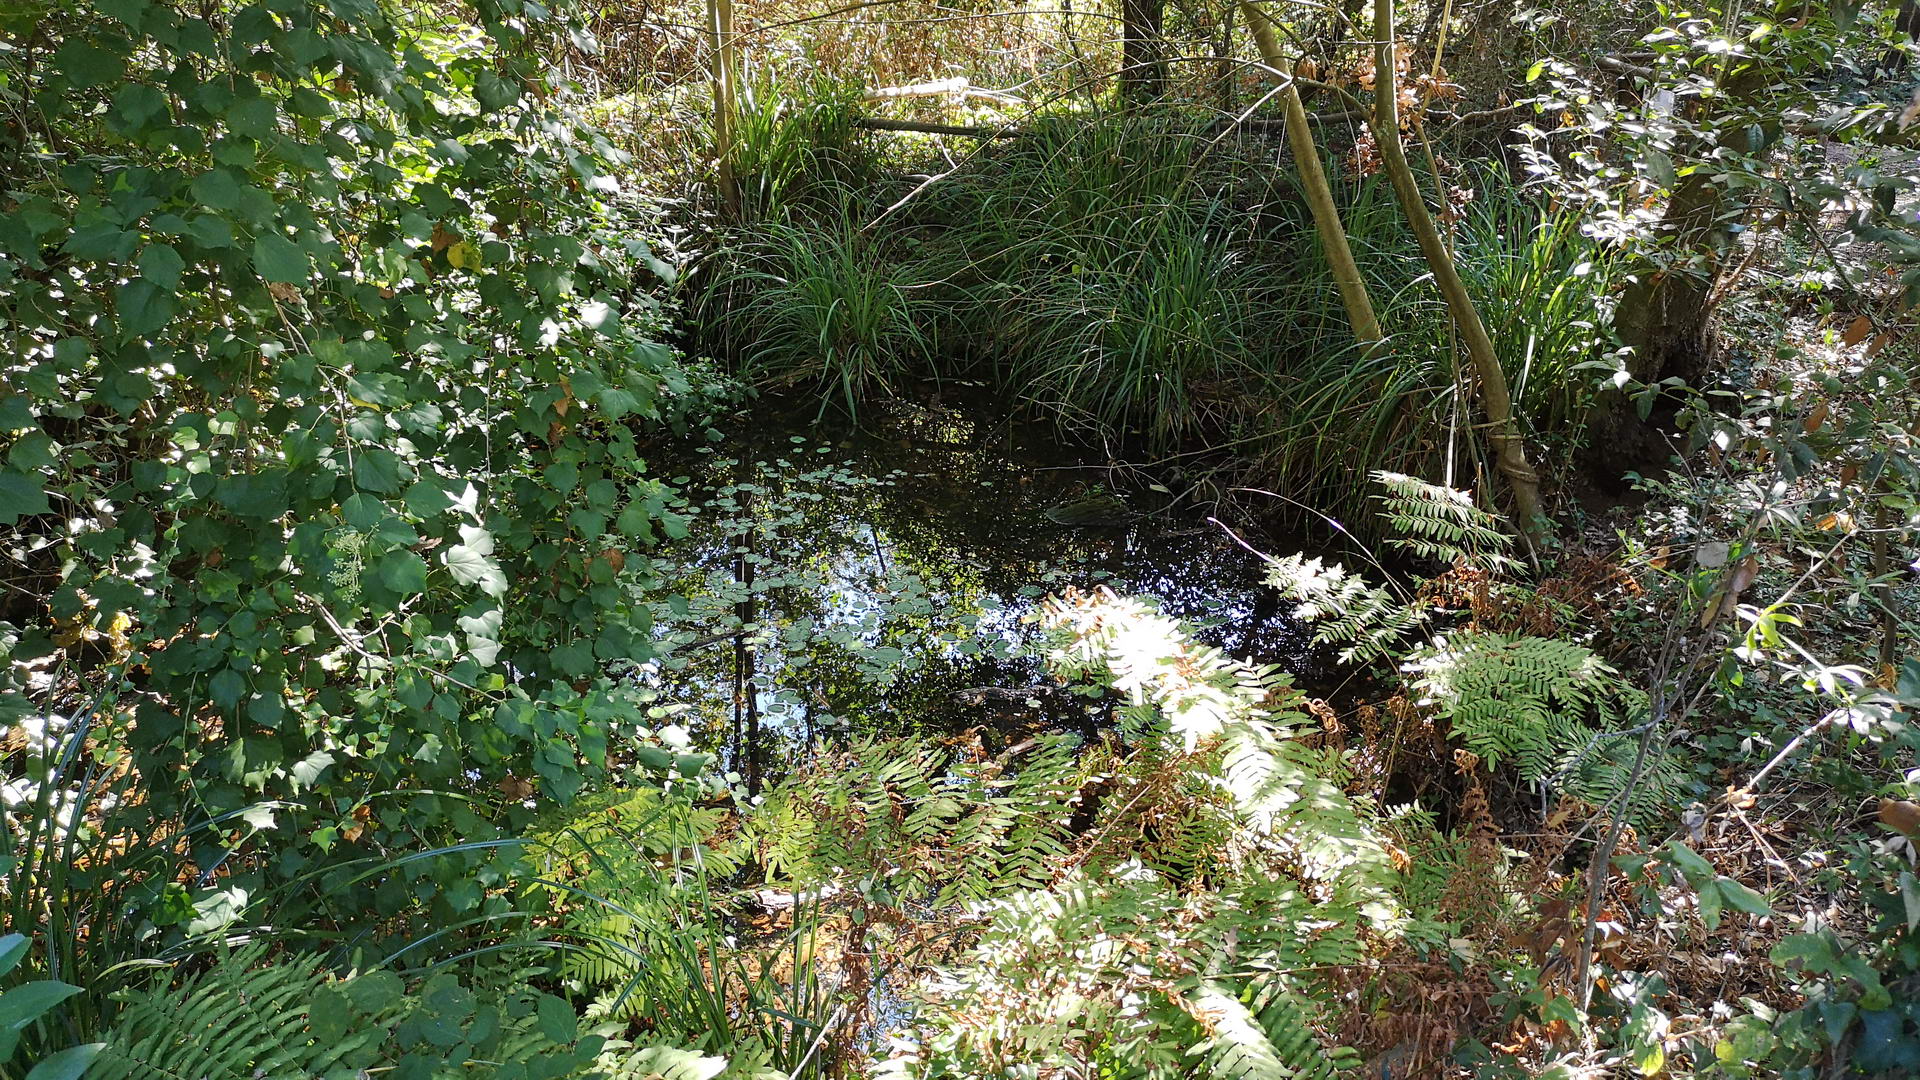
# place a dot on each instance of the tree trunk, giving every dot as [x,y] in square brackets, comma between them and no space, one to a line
[1143,74]
[722,71]
[1313,183]
[1510,452]
[1665,313]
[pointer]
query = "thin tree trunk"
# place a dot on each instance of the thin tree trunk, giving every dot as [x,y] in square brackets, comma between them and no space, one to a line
[1224,67]
[1510,452]
[1143,75]
[721,73]
[1313,182]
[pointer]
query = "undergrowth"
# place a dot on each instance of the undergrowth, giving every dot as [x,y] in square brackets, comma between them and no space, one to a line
[1136,273]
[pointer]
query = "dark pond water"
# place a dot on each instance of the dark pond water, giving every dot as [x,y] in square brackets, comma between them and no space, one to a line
[875,580]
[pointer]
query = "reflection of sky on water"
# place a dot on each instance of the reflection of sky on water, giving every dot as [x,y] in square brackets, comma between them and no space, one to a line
[892,570]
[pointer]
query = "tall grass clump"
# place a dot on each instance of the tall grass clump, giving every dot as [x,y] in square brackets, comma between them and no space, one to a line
[1104,274]
[1146,333]
[821,307]
[1543,286]
[795,144]
[1540,283]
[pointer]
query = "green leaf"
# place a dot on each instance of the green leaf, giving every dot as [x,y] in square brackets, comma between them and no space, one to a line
[279,259]
[493,92]
[215,909]
[216,190]
[558,1021]
[634,521]
[28,1002]
[87,65]
[377,469]
[227,688]
[402,571]
[1813,951]
[426,499]
[1710,903]
[69,1064]
[144,306]
[375,991]
[307,771]
[12,948]
[21,495]
[1741,898]
[161,264]
[16,414]
[1688,861]
[330,1015]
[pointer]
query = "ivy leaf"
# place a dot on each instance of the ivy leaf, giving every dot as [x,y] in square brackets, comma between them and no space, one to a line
[472,564]
[279,259]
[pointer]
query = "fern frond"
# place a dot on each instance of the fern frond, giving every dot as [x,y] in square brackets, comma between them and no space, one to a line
[1442,523]
[1273,1044]
[237,1019]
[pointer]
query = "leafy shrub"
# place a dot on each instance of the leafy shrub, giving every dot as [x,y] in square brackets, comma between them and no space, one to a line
[303,380]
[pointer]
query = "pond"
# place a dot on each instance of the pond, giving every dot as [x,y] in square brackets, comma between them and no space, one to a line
[874,579]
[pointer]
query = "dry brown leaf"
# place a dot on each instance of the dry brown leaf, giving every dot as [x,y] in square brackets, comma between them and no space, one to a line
[1880,341]
[1727,600]
[1901,814]
[1857,330]
[1815,418]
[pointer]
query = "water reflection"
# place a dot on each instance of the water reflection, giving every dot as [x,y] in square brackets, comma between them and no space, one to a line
[876,582]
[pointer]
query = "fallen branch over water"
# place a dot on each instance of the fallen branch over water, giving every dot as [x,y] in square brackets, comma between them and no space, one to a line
[1257,123]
